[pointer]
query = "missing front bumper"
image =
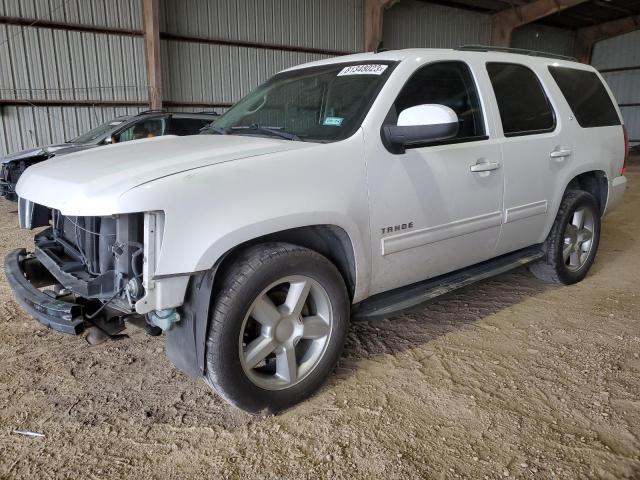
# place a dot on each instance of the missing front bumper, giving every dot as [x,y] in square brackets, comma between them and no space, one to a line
[24,273]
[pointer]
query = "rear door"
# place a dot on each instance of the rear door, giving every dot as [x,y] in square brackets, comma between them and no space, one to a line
[534,151]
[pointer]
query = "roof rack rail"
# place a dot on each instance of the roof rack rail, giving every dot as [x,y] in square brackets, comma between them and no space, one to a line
[208,112]
[521,51]
[159,110]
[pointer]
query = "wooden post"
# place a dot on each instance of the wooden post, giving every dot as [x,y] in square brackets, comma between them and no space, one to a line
[587,37]
[506,21]
[373,22]
[151,26]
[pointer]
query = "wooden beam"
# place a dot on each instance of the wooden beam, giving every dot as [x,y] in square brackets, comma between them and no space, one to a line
[587,37]
[506,21]
[373,21]
[151,27]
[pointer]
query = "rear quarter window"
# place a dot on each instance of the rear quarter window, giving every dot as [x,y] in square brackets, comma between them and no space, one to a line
[587,97]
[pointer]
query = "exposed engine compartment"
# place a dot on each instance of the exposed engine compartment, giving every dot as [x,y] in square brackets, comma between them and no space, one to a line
[95,257]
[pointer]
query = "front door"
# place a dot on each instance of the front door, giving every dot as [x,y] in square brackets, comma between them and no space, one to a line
[436,208]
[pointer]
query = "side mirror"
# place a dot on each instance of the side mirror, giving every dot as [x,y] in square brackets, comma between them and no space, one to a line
[419,125]
[110,140]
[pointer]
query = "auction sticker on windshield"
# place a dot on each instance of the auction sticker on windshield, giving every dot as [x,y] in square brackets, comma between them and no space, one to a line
[371,69]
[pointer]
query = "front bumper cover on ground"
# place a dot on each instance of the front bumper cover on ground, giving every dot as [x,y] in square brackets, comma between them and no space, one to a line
[23,272]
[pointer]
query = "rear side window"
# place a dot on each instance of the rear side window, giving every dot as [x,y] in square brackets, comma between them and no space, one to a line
[587,97]
[524,107]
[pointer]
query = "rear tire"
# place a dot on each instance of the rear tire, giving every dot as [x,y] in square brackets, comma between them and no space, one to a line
[572,244]
[279,321]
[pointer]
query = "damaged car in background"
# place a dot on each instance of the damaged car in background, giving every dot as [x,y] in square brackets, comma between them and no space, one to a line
[152,123]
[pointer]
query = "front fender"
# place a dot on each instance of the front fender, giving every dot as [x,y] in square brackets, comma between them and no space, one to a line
[210,210]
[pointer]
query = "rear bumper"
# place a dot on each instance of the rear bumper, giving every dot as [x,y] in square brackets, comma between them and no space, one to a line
[616,192]
[22,272]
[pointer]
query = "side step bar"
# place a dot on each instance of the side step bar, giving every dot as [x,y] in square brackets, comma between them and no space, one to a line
[396,301]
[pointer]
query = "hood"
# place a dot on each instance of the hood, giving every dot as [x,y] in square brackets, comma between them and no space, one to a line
[84,178]
[47,152]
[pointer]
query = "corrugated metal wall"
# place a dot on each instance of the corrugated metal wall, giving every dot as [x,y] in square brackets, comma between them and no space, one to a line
[41,63]
[623,52]
[545,39]
[410,24]
[103,13]
[48,64]
[221,73]
[329,24]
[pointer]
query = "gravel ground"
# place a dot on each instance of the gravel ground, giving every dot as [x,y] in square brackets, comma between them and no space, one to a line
[508,378]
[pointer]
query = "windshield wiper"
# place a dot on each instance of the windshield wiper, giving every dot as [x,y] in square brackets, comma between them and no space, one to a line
[276,131]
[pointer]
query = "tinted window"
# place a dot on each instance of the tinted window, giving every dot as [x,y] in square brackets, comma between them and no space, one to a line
[444,83]
[524,107]
[188,126]
[587,97]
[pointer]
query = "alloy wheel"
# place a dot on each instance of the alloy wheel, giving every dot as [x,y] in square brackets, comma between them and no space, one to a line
[286,332]
[578,239]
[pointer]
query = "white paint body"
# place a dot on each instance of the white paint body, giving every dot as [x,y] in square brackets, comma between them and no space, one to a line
[218,191]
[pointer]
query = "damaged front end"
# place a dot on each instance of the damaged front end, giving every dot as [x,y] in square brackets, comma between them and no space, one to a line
[88,271]
[10,172]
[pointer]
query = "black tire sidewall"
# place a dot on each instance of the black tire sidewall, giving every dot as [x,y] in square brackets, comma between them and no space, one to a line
[566,276]
[224,370]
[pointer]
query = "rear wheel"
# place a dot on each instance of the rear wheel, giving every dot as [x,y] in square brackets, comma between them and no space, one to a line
[571,246]
[279,323]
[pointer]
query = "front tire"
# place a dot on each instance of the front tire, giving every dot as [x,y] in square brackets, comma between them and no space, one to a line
[571,246]
[279,321]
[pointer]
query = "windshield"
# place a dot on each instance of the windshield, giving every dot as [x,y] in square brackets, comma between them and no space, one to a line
[98,133]
[324,104]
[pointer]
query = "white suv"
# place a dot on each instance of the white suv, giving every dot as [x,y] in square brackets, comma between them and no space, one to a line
[357,186]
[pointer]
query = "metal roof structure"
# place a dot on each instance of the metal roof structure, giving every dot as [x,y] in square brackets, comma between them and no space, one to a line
[589,13]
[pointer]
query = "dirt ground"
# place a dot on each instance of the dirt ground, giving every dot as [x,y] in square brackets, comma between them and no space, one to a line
[508,378]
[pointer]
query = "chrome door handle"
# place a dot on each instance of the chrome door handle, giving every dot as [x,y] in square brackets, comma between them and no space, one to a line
[484,167]
[560,153]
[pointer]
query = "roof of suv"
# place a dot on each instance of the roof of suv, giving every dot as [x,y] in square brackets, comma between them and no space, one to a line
[437,53]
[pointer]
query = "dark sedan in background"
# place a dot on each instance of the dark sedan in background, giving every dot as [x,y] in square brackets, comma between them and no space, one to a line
[121,129]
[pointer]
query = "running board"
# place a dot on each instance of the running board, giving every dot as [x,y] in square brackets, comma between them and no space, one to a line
[396,301]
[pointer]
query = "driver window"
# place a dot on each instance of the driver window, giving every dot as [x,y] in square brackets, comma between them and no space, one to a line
[444,83]
[153,127]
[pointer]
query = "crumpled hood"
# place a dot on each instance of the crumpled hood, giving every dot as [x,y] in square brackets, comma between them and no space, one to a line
[49,150]
[110,171]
